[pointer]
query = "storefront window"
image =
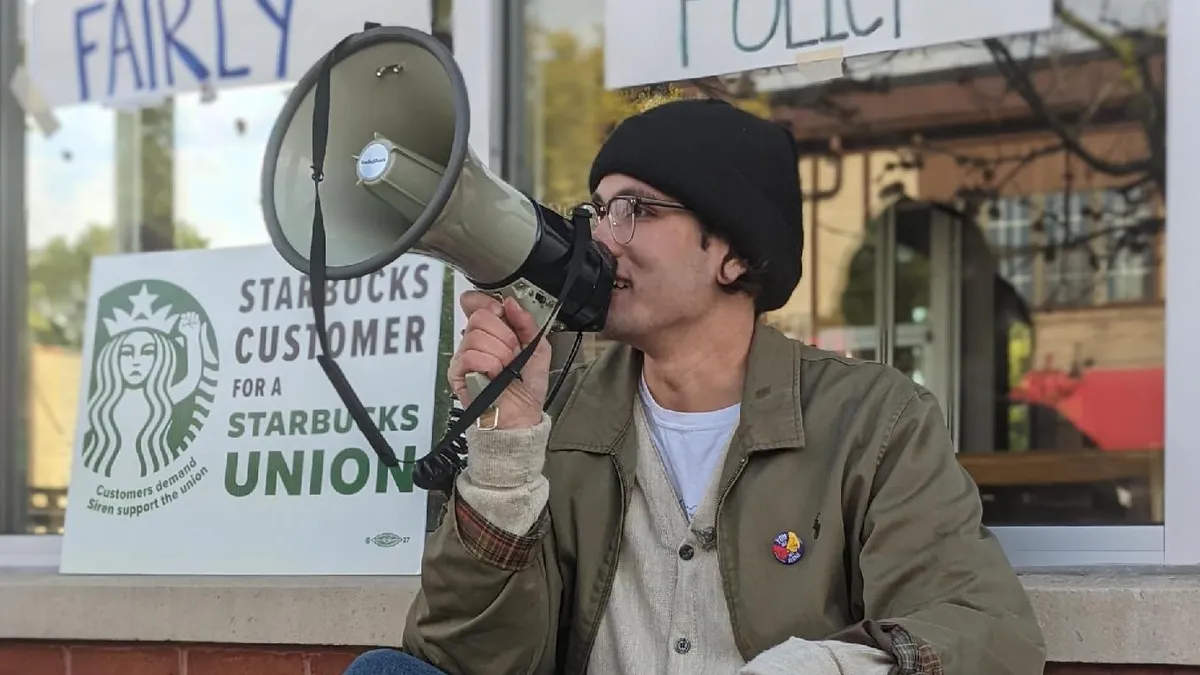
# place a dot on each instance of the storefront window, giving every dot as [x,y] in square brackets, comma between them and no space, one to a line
[988,217]
[181,174]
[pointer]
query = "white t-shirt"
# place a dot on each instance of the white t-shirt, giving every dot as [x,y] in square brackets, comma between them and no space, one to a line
[691,445]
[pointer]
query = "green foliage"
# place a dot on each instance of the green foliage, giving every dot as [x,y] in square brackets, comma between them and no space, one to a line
[1020,361]
[58,281]
[441,401]
[912,283]
[573,111]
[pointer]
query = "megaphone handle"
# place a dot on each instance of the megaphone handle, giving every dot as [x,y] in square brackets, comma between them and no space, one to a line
[541,306]
[476,383]
[437,469]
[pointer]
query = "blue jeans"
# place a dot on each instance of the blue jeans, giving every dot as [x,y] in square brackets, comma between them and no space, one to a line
[389,662]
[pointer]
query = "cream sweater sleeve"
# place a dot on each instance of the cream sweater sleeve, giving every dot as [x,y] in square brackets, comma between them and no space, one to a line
[503,480]
[805,657]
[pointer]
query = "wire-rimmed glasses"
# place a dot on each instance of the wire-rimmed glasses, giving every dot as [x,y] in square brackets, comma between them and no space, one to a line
[623,211]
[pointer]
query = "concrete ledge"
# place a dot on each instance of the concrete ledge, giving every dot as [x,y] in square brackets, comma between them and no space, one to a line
[331,611]
[1118,615]
[1102,615]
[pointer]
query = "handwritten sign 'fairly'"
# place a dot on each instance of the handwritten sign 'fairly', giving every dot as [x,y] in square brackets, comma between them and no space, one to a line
[666,40]
[115,51]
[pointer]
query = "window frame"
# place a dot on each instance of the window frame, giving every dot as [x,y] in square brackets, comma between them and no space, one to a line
[1181,531]
[1011,234]
[1176,542]
[13,282]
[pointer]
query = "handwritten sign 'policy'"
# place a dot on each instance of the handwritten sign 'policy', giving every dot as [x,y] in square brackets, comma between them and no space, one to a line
[119,51]
[664,40]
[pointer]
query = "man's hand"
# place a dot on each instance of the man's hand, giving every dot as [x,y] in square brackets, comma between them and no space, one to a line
[495,333]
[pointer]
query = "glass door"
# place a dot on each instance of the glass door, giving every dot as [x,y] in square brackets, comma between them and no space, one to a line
[919,282]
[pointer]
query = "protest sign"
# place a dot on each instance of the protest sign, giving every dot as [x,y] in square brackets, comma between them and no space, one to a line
[120,51]
[209,439]
[652,42]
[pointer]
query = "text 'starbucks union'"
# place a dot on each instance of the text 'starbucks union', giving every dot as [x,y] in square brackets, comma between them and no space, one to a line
[336,467]
[283,450]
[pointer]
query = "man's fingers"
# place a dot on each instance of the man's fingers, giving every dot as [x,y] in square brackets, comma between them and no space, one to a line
[472,301]
[479,306]
[479,362]
[522,321]
[483,341]
[486,322]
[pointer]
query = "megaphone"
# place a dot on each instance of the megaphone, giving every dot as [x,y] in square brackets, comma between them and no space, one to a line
[369,159]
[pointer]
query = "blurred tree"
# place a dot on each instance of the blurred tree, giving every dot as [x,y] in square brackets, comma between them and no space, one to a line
[1138,89]
[1102,62]
[1100,70]
[58,281]
[572,108]
[857,302]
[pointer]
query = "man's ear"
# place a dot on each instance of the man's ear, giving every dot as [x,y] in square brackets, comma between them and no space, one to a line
[732,268]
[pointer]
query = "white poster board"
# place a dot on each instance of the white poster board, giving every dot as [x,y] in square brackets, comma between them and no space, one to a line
[663,40]
[209,439]
[118,51]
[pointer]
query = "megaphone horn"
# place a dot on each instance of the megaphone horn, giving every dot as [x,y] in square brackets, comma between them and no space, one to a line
[388,105]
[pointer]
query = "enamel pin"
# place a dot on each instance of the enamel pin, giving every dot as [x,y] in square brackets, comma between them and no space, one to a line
[788,547]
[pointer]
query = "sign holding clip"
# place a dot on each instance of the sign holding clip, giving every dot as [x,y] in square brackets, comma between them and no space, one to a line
[32,102]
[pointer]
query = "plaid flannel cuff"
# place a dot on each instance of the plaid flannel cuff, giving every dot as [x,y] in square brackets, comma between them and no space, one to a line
[494,546]
[913,656]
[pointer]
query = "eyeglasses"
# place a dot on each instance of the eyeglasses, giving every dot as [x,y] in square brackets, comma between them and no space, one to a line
[623,212]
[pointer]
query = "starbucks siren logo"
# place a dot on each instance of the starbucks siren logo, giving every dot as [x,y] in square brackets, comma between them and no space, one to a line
[153,374]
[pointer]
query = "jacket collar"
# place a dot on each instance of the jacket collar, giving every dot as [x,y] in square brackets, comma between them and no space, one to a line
[599,413]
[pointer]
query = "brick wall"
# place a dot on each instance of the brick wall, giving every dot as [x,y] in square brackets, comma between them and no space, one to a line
[1113,337]
[39,658]
[34,658]
[1090,669]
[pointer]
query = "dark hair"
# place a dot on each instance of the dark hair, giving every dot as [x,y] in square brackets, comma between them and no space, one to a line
[751,281]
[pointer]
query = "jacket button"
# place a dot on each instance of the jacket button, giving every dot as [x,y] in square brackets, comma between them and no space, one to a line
[683,645]
[686,551]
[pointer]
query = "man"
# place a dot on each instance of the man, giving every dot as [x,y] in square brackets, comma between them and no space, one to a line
[708,496]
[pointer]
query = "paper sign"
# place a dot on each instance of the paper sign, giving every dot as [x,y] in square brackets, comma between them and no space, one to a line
[84,51]
[670,40]
[209,439]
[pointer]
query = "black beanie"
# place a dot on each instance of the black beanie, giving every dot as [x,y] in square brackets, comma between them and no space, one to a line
[737,172]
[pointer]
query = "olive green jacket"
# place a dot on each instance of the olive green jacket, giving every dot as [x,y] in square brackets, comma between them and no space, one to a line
[852,456]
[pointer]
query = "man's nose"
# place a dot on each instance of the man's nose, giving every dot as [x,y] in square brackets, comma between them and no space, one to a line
[603,236]
[613,249]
